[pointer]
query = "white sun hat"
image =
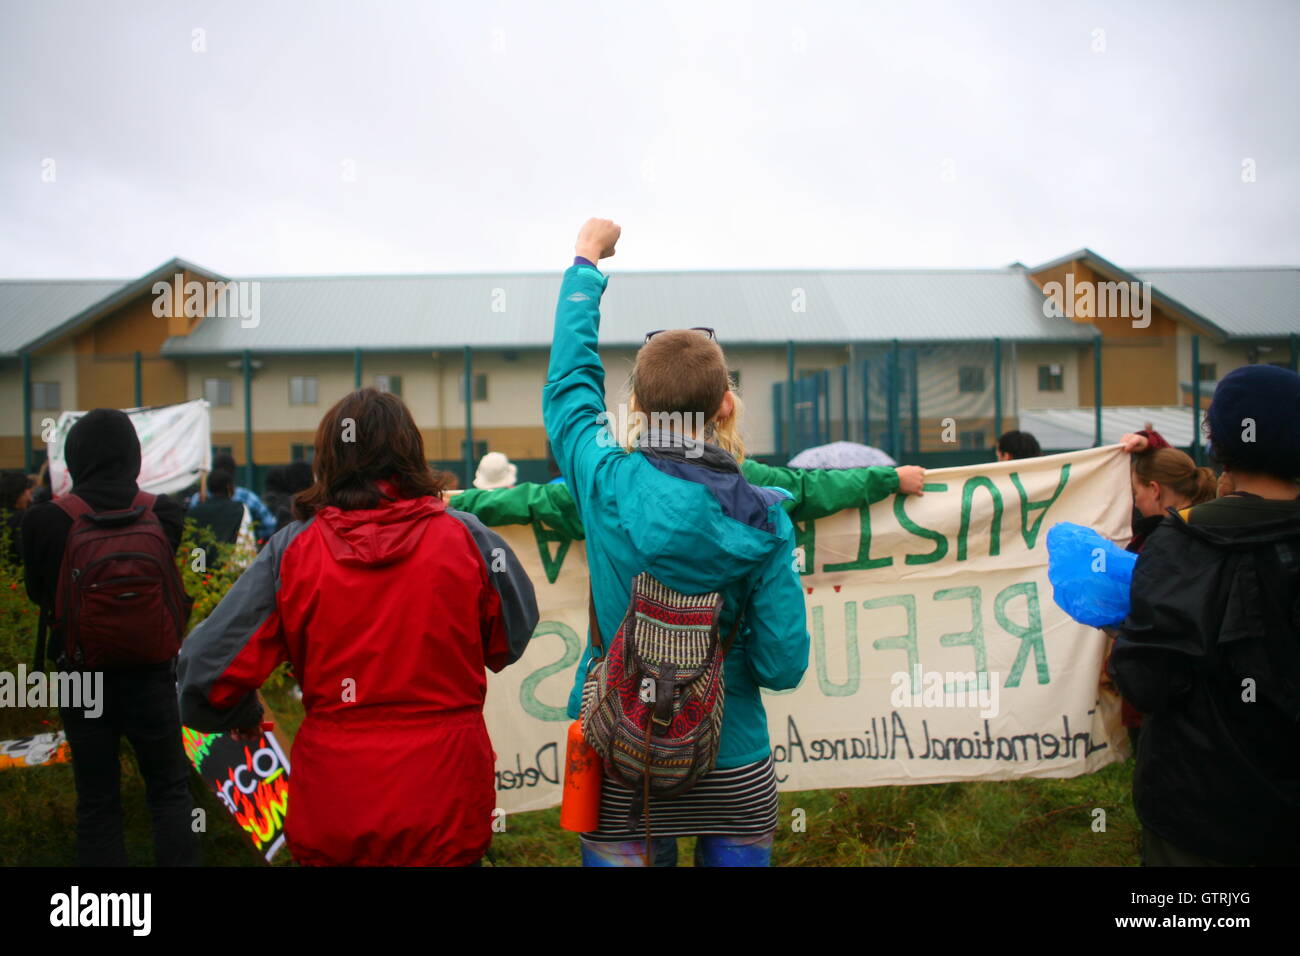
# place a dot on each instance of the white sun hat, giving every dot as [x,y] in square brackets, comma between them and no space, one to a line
[495,471]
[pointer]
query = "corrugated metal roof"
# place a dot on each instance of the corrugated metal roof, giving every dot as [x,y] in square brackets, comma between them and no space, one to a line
[1243,302]
[1059,428]
[31,307]
[747,308]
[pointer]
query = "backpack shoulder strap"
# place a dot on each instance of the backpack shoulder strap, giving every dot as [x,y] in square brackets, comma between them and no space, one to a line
[73,506]
[593,624]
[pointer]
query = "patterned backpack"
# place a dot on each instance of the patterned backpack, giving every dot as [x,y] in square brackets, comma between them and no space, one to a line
[652,703]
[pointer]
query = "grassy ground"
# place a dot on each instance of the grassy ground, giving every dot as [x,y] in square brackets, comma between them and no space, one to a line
[1018,823]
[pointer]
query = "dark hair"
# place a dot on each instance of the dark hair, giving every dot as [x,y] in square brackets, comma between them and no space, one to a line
[1019,445]
[368,436]
[224,462]
[12,486]
[221,483]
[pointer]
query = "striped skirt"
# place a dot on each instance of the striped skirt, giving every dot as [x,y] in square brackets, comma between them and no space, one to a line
[737,801]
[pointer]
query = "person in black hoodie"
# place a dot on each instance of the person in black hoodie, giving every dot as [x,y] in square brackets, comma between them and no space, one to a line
[103,456]
[1210,651]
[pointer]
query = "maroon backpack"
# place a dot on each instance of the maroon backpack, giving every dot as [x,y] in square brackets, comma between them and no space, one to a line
[120,601]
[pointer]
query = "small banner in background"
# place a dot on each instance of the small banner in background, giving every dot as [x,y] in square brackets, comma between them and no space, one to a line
[175,446]
[36,751]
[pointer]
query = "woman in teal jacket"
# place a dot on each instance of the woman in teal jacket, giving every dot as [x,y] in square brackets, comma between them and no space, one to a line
[681,511]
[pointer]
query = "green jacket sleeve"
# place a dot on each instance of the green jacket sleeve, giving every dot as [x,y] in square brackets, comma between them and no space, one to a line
[819,492]
[528,503]
[573,400]
[777,649]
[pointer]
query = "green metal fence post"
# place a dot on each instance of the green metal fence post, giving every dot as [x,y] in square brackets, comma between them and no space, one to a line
[469,417]
[844,401]
[1196,399]
[139,402]
[356,368]
[997,388]
[1096,388]
[892,400]
[27,412]
[248,418]
[1295,352]
[916,402]
[789,399]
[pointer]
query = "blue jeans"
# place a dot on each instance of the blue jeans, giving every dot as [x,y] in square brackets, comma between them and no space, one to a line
[709,851]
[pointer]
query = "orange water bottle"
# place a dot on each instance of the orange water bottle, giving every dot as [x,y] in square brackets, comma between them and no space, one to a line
[580,806]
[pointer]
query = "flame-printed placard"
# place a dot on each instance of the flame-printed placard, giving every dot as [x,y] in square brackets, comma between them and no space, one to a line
[250,779]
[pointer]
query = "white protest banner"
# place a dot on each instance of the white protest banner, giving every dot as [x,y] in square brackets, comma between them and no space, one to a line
[175,445]
[937,651]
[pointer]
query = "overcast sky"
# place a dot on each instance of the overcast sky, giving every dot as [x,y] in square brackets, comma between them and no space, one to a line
[296,137]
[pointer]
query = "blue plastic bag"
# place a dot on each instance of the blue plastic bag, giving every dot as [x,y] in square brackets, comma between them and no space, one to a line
[1090,575]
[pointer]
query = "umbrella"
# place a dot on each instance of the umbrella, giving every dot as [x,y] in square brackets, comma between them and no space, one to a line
[841,454]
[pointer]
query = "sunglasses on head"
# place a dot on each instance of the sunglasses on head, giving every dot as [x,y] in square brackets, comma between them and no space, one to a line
[698,328]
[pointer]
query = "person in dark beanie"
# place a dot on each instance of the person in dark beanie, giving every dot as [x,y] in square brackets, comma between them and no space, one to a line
[1014,445]
[1209,652]
[219,512]
[103,456]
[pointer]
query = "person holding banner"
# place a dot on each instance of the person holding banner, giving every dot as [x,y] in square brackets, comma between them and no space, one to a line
[1208,652]
[390,608]
[674,504]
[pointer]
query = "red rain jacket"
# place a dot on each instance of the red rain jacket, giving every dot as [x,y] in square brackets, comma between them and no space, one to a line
[390,617]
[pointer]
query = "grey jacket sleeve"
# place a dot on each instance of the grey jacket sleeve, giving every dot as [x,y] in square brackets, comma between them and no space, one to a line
[518,601]
[232,651]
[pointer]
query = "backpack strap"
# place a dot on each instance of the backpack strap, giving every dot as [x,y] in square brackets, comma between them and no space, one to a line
[74,506]
[593,624]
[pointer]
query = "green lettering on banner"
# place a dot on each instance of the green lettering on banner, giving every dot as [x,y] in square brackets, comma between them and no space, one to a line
[973,638]
[906,642]
[1030,634]
[1026,506]
[940,542]
[995,528]
[528,689]
[864,561]
[853,665]
[544,535]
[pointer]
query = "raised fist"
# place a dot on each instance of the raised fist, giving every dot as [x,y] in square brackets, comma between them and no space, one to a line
[596,239]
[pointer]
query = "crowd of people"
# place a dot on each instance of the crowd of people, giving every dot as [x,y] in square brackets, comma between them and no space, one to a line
[391,604]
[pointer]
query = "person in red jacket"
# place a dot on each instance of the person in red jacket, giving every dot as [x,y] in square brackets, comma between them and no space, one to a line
[390,606]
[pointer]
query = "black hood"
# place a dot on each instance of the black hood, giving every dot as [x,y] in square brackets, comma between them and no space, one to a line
[103,448]
[1243,536]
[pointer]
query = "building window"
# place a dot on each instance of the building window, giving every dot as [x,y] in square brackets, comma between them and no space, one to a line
[1051,378]
[302,451]
[219,450]
[216,391]
[972,441]
[389,383]
[45,396]
[302,390]
[970,378]
[480,387]
[1207,372]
